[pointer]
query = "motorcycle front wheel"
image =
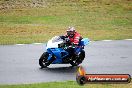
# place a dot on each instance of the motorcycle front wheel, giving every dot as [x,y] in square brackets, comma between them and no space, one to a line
[43,60]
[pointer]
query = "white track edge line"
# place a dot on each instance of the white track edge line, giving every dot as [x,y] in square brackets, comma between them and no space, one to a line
[127,39]
[20,44]
[90,41]
[107,40]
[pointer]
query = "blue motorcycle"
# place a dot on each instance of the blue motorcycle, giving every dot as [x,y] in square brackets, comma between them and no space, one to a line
[58,51]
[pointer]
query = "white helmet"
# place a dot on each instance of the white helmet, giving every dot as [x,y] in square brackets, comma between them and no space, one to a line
[72,29]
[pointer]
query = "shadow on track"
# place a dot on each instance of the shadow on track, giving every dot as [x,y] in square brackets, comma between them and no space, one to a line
[69,69]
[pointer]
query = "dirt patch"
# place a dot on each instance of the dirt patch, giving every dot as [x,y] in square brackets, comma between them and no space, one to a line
[12,4]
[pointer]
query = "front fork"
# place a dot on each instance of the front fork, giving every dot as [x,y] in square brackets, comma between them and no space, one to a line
[51,58]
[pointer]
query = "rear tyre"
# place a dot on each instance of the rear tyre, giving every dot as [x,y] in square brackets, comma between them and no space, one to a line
[43,60]
[78,59]
[73,63]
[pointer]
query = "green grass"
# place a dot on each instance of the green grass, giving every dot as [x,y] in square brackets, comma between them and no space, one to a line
[96,19]
[68,84]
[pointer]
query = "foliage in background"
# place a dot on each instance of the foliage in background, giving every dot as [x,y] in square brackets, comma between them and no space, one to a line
[27,21]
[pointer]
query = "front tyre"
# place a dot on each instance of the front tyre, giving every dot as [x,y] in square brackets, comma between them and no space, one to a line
[43,60]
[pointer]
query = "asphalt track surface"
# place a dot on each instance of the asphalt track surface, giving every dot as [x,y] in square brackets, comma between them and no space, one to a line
[19,63]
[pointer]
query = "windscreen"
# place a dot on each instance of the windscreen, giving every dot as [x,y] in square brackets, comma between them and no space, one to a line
[56,39]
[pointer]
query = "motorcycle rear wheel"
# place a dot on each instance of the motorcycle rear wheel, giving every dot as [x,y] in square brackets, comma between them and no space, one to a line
[79,59]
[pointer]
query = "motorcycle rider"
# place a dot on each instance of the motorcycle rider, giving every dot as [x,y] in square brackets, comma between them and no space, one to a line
[73,36]
[74,40]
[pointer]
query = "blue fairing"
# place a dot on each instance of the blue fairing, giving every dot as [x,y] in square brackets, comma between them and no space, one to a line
[57,52]
[84,42]
[77,50]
